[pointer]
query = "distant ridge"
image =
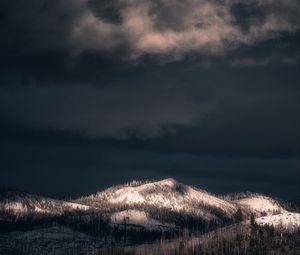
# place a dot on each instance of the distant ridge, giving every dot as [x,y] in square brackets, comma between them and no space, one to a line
[146,203]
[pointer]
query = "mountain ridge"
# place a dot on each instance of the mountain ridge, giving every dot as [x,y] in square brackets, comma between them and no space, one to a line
[153,204]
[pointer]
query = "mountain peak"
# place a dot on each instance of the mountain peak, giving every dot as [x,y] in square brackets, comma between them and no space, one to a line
[169,182]
[167,193]
[137,200]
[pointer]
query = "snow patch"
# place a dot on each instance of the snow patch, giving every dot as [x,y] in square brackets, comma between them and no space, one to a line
[75,206]
[260,204]
[33,204]
[286,220]
[136,217]
[16,207]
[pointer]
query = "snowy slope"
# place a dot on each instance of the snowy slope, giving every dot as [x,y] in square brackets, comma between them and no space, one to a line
[136,218]
[139,202]
[167,193]
[259,205]
[20,203]
[285,220]
[43,205]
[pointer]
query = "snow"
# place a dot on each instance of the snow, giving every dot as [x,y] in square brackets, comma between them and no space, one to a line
[75,206]
[41,205]
[127,195]
[260,204]
[39,210]
[17,207]
[167,182]
[134,217]
[210,200]
[132,204]
[285,220]
[166,193]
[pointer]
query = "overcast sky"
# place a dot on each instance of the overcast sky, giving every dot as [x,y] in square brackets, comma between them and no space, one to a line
[98,92]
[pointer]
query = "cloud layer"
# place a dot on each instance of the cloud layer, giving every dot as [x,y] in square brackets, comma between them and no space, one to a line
[106,91]
[172,28]
[118,112]
[176,28]
[196,76]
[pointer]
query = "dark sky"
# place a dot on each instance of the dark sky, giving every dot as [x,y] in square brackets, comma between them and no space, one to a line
[95,93]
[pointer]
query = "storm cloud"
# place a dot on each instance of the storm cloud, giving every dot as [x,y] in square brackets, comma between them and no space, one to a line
[191,110]
[144,112]
[181,81]
[165,27]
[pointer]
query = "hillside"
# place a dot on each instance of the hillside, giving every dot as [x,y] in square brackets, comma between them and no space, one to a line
[259,205]
[20,203]
[153,205]
[136,213]
[167,193]
[285,220]
[235,240]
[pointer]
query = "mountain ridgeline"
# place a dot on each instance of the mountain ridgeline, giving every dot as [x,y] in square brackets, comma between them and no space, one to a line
[137,212]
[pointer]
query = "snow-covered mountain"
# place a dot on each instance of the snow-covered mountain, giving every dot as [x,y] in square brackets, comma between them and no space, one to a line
[156,204]
[164,194]
[138,213]
[177,197]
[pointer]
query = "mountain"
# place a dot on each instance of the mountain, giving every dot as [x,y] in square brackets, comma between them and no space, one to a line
[160,205]
[165,194]
[171,195]
[135,213]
